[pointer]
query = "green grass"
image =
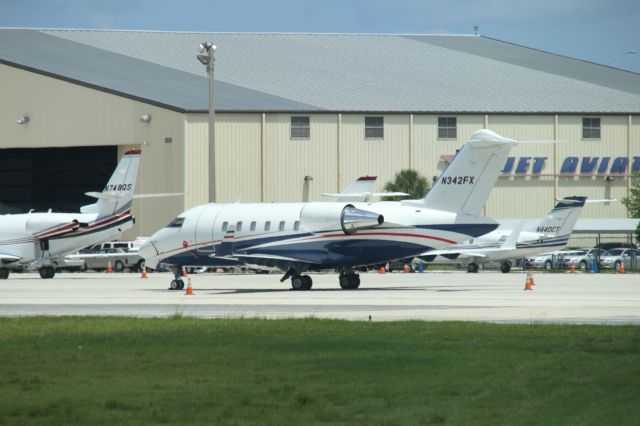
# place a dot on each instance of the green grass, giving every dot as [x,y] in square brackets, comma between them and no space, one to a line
[191,371]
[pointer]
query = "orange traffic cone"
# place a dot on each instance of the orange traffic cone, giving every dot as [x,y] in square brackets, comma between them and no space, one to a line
[189,289]
[531,279]
[573,266]
[527,283]
[144,273]
[109,267]
[406,267]
[621,270]
[382,270]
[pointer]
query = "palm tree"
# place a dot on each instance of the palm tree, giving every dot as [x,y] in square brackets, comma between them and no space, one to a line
[408,181]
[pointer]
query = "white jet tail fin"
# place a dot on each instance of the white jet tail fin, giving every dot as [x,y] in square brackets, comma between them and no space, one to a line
[466,183]
[562,218]
[118,193]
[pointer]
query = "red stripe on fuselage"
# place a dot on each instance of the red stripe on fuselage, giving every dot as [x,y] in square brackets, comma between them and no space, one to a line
[387,234]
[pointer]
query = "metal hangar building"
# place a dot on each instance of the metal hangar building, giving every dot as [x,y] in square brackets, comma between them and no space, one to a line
[301,114]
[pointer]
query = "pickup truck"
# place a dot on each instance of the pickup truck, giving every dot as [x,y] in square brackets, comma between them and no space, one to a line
[120,260]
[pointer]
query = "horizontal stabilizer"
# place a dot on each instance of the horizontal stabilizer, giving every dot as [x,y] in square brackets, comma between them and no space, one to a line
[610,200]
[166,194]
[364,194]
[109,196]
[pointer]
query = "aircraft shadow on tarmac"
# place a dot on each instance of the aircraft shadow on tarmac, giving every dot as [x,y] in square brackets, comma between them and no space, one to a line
[228,291]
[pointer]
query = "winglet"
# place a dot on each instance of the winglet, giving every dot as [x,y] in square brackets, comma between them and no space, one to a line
[512,239]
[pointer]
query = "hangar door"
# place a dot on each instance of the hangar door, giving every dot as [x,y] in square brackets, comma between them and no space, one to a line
[53,178]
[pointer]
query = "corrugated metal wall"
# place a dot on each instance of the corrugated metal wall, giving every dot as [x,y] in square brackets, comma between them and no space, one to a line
[384,157]
[287,161]
[336,155]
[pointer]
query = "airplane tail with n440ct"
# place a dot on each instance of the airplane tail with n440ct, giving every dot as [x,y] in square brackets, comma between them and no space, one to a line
[504,244]
[32,239]
[302,237]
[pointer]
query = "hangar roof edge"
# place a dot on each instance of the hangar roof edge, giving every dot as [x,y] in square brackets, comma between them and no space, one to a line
[318,72]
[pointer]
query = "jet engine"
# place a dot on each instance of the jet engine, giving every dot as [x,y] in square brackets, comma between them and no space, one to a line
[328,216]
[47,225]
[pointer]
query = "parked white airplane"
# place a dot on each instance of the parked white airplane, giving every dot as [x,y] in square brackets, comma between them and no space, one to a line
[504,244]
[361,190]
[300,237]
[32,239]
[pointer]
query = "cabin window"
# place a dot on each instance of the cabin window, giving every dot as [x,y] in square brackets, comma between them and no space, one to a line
[296,225]
[267,225]
[281,227]
[374,127]
[300,127]
[591,128]
[253,226]
[176,223]
[225,225]
[239,226]
[447,128]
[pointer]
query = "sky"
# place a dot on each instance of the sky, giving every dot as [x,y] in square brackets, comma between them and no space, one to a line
[600,31]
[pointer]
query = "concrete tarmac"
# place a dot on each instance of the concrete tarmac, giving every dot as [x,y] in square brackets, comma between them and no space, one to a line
[432,296]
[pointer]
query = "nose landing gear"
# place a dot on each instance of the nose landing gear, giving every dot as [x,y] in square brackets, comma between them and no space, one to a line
[177,283]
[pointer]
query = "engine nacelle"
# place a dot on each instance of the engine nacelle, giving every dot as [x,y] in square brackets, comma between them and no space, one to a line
[47,225]
[328,216]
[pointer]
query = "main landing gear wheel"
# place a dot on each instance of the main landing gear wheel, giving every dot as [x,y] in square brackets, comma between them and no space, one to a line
[473,268]
[47,272]
[349,281]
[301,282]
[177,284]
[505,267]
[4,273]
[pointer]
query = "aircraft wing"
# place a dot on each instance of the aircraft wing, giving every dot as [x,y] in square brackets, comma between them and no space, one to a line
[460,252]
[506,250]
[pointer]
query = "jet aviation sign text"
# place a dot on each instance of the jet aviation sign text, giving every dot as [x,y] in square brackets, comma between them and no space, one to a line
[571,165]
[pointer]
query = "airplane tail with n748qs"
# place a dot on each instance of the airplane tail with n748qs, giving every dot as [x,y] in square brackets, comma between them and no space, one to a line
[302,237]
[33,239]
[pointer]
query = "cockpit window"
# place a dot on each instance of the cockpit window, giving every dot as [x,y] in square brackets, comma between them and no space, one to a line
[176,223]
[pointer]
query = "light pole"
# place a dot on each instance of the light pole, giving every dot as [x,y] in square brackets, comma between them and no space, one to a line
[207,57]
[617,58]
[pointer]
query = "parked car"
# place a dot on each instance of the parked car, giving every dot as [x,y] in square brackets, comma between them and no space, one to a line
[614,258]
[67,263]
[581,258]
[124,245]
[546,261]
[119,259]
